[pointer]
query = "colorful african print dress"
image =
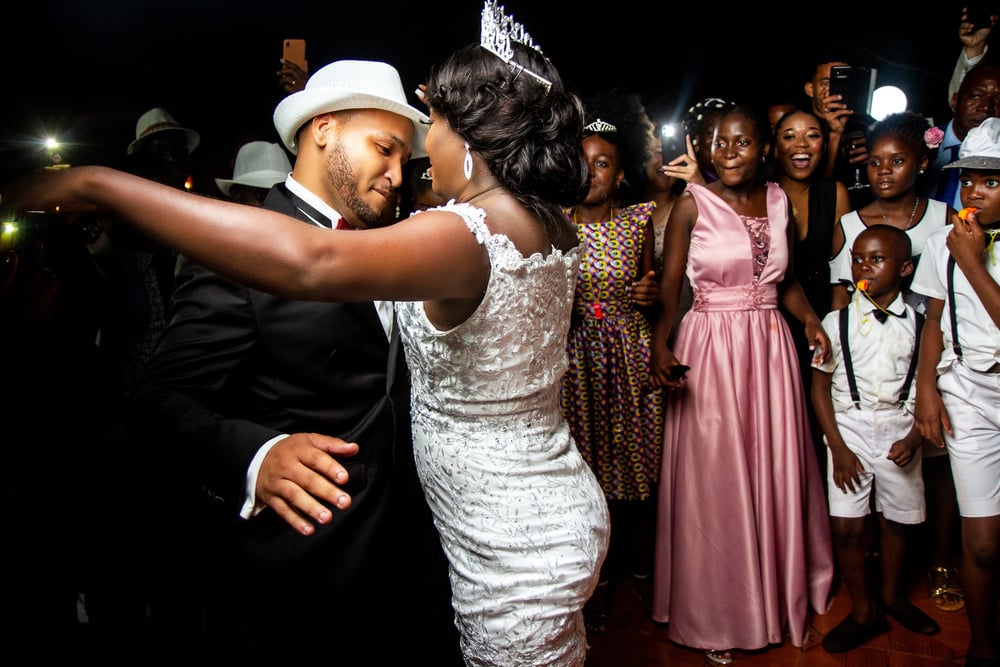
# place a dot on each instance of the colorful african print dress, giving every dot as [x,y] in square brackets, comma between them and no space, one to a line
[614,414]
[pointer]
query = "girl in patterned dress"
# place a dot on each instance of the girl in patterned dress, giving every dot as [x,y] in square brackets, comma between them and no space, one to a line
[615,415]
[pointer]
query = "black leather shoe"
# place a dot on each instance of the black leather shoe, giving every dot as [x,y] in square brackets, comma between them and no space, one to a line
[912,618]
[849,634]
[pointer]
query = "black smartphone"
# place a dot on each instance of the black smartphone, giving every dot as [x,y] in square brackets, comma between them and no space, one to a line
[855,84]
[978,12]
[678,372]
[672,141]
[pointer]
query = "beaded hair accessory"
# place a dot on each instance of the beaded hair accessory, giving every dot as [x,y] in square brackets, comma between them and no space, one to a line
[497,30]
[600,126]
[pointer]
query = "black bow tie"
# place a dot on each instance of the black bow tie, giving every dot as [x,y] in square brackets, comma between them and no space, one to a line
[883,315]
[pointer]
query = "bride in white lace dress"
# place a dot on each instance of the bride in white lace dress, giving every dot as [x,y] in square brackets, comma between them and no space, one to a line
[488,283]
[521,516]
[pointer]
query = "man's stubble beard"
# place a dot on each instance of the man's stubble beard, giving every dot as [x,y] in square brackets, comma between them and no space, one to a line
[344,181]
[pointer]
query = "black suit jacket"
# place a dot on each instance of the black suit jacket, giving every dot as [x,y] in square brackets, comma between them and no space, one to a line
[237,367]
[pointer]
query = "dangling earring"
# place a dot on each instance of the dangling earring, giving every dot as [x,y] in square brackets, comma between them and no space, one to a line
[920,171]
[467,164]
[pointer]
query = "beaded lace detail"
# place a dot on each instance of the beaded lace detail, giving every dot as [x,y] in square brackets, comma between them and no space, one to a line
[760,242]
[521,516]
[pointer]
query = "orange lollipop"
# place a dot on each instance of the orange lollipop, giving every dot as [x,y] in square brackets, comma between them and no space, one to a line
[963,215]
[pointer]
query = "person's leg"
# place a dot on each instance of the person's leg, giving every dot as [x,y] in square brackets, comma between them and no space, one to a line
[866,619]
[848,534]
[642,530]
[980,562]
[892,543]
[974,449]
[893,540]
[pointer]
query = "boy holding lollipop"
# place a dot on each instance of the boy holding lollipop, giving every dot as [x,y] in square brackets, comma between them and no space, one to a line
[958,386]
[862,400]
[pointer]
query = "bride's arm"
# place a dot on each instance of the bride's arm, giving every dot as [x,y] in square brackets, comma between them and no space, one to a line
[429,256]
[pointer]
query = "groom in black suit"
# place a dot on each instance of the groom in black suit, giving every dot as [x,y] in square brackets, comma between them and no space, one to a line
[308,567]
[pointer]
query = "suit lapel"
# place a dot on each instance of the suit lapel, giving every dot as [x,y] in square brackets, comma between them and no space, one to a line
[282,200]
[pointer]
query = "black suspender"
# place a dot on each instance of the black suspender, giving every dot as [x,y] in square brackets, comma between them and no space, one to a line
[904,392]
[852,383]
[952,310]
[848,364]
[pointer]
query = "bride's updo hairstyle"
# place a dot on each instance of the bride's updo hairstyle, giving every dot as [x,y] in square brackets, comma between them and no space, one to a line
[529,134]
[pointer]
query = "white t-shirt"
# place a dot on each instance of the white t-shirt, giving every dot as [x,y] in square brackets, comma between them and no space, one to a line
[935,216]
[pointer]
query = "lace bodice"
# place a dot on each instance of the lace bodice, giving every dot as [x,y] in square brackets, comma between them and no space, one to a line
[506,360]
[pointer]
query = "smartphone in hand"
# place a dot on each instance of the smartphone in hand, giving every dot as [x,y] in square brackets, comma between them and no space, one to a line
[672,141]
[678,372]
[856,85]
[295,52]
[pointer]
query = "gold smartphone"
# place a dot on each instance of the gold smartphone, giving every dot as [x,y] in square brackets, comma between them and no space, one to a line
[295,52]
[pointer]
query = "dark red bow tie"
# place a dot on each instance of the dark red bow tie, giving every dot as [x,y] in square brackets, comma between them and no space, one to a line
[342,224]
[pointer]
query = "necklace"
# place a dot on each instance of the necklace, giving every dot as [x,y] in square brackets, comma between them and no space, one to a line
[797,201]
[916,204]
[484,194]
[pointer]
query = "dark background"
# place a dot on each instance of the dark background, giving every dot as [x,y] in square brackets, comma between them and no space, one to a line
[86,69]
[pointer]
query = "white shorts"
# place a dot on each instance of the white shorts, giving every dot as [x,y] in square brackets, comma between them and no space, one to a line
[898,492]
[972,400]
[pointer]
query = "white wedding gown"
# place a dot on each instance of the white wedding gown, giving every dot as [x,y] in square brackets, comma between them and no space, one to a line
[521,516]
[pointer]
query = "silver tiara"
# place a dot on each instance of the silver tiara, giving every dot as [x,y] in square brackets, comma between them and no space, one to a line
[496,33]
[600,126]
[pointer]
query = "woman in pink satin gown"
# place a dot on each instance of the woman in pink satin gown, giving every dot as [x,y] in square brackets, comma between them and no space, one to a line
[743,536]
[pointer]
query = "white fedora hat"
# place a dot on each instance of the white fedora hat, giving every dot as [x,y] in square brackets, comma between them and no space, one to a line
[348,84]
[159,120]
[980,150]
[259,164]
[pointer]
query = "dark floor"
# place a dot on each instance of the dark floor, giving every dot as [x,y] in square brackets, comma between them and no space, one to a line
[633,639]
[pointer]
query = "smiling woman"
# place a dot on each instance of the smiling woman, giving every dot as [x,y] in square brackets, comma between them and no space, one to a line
[800,144]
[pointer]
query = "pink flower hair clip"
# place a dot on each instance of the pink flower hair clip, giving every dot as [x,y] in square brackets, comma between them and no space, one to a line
[933,137]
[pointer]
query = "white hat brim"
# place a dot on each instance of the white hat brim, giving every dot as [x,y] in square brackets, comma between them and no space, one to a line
[983,162]
[298,108]
[265,178]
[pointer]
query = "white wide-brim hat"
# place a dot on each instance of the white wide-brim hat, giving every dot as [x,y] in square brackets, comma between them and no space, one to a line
[981,147]
[348,84]
[160,120]
[259,164]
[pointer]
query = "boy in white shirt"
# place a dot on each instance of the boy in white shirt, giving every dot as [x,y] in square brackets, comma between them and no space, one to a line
[861,398]
[958,386]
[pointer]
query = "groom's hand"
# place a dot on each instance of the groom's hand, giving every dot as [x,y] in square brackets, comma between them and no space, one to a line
[298,473]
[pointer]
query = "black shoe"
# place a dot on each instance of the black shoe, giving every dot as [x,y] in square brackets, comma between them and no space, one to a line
[912,618]
[849,634]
